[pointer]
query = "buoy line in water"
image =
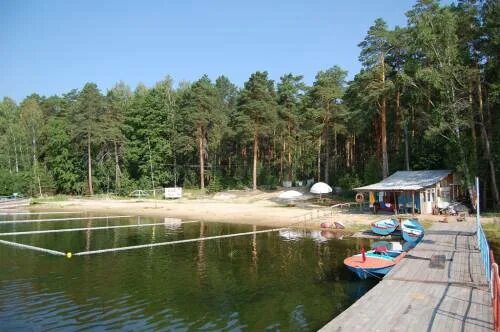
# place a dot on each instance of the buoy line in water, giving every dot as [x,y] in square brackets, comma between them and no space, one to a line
[59,219]
[62,230]
[150,245]
[25,246]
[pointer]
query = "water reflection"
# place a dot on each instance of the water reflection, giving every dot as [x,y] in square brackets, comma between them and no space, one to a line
[201,265]
[257,282]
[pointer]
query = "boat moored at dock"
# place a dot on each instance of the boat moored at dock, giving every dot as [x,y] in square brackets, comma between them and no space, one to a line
[374,263]
[384,226]
[412,230]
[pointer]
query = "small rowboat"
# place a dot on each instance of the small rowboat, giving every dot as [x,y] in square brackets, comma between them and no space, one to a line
[412,230]
[374,263]
[384,226]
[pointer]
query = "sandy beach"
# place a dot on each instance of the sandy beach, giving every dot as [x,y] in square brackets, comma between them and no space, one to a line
[258,208]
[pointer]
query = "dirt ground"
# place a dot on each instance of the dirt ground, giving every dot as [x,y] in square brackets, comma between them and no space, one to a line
[244,207]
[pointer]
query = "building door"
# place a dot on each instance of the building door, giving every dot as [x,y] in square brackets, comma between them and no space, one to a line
[427,200]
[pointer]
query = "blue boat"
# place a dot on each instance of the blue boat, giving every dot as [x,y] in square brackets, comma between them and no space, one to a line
[412,230]
[384,226]
[375,263]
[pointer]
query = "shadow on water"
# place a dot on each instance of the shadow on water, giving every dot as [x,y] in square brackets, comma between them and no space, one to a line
[271,281]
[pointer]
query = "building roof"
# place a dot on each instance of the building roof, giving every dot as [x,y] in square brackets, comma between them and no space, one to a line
[407,181]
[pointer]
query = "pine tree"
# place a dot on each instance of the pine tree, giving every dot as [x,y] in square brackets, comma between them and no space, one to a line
[374,50]
[199,107]
[257,107]
[88,124]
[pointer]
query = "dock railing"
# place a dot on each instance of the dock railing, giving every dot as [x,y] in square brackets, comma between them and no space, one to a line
[484,247]
[489,264]
[495,292]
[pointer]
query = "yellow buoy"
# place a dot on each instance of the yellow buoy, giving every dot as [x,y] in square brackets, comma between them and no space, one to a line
[69,255]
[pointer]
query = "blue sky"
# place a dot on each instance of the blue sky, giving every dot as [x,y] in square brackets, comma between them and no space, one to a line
[50,47]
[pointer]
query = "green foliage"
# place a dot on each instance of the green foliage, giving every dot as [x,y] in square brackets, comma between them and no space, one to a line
[267,179]
[257,105]
[62,160]
[15,183]
[190,180]
[372,171]
[215,184]
[435,80]
[257,113]
[349,181]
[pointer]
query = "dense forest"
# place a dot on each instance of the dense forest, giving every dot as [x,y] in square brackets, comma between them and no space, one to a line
[427,97]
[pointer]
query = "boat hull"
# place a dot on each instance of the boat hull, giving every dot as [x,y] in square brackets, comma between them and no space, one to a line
[374,265]
[369,273]
[384,227]
[412,230]
[412,236]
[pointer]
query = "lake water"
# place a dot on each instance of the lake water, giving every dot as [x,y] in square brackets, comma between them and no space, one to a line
[288,281]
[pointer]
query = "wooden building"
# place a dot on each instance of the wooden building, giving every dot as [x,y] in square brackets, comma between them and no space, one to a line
[413,191]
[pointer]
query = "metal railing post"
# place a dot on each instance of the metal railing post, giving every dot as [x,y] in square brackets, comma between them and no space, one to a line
[478,222]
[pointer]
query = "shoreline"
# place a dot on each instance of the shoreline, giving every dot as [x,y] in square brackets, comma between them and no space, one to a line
[255,211]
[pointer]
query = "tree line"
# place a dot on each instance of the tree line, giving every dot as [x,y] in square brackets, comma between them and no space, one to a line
[427,97]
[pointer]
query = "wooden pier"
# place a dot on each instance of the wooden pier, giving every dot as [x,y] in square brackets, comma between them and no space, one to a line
[440,285]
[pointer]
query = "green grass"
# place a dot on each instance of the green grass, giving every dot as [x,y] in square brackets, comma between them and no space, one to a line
[491,214]
[492,230]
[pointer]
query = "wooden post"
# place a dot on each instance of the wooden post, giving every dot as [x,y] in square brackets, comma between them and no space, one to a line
[413,203]
[395,205]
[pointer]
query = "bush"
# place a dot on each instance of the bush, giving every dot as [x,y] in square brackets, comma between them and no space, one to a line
[215,184]
[372,172]
[190,180]
[237,183]
[349,181]
[21,182]
[267,180]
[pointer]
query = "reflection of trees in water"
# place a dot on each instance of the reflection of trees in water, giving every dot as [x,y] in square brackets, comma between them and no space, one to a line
[87,238]
[153,240]
[254,251]
[201,266]
[267,282]
[320,273]
[116,237]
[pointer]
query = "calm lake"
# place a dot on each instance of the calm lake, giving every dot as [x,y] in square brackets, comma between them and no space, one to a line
[288,280]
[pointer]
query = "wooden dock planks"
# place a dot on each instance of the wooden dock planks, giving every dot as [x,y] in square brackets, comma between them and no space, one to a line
[425,292]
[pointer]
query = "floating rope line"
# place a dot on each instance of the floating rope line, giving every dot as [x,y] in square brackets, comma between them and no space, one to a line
[150,245]
[25,246]
[49,231]
[27,213]
[60,219]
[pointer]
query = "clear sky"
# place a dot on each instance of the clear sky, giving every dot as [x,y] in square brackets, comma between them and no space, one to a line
[52,46]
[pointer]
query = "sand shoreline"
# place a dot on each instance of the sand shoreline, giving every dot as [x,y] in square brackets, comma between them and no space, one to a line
[260,211]
[255,213]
